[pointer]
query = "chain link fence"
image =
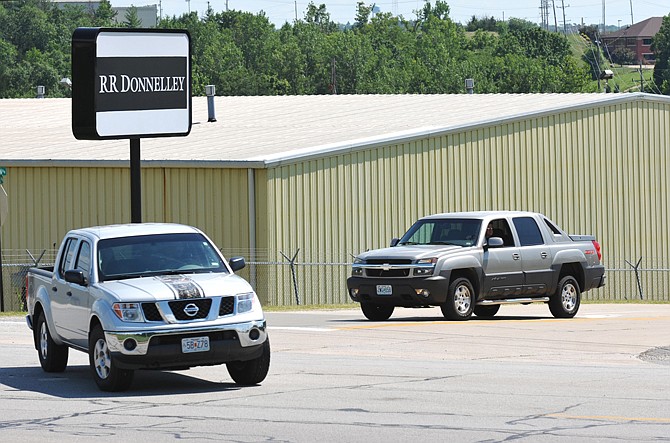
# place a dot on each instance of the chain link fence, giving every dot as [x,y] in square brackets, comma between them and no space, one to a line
[15,265]
[287,281]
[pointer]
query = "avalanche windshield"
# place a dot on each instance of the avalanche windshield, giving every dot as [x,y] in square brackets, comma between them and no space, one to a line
[446,231]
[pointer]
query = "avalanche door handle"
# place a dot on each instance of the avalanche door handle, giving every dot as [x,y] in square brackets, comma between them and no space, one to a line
[544,255]
[516,256]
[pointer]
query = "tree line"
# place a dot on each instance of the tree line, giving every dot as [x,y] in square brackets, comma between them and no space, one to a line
[243,53]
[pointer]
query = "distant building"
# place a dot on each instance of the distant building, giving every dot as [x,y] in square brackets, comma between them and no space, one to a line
[148,14]
[636,38]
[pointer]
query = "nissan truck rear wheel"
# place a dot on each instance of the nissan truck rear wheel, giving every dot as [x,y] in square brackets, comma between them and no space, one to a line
[460,300]
[106,374]
[567,298]
[251,372]
[486,311]
[376,312]
[53,357]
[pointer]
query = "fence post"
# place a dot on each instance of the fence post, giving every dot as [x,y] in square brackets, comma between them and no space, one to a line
[637,276]
[291,262]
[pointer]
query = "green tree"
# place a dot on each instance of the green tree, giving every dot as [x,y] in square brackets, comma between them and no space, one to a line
[440,46]
[661,47]
[318,16]
[132,19]
[104,16]
[485,24]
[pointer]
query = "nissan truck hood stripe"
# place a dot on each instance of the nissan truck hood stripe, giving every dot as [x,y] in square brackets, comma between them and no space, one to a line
[182,286]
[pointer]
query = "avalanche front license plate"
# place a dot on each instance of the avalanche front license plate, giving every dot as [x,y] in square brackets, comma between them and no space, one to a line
[195,344]
[384,290]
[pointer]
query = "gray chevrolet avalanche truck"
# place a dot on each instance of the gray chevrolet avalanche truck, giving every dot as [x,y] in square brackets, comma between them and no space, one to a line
[472,262]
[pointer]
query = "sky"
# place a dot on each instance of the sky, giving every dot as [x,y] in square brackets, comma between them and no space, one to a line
[617,12]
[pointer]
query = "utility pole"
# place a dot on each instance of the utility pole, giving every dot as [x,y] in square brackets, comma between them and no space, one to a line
[553,5]
[565,29]
[333,78]
[603,30]
[544,14]
[631,13]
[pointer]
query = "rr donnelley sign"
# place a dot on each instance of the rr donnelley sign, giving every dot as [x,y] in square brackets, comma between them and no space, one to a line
[130,83]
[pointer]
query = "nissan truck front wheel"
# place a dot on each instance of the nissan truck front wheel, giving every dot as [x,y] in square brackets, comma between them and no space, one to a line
[251,372]
[106,374]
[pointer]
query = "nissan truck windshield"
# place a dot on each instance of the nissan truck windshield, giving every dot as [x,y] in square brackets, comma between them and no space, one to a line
[162,254]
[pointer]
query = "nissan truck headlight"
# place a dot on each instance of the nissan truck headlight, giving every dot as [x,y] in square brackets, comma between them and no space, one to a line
[425,266]
[357,270]
[245,302]
[128,311]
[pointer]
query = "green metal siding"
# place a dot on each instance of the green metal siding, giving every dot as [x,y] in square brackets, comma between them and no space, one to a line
[600,171]
[44,203]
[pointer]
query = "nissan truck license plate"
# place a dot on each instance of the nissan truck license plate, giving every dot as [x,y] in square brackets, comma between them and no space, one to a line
[384,290]
[194,344]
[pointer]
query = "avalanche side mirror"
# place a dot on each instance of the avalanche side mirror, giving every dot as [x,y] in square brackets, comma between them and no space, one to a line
[494,242]
[394,241]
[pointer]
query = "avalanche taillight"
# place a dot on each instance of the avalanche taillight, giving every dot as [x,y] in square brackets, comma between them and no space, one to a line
[597,246]
[27,291]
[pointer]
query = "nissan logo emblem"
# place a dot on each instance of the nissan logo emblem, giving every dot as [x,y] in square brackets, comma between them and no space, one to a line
[191,310]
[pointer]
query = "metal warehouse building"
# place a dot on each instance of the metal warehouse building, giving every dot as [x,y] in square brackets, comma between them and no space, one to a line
[321,178]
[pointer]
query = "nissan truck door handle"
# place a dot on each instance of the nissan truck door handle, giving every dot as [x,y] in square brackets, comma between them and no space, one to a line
[55,289]
[544,255]
[516,256]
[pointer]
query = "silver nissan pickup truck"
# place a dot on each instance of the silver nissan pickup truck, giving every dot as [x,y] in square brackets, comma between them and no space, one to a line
[472,262]
[146,296]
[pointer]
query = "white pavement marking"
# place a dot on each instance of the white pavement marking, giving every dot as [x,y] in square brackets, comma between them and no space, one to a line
[298,328]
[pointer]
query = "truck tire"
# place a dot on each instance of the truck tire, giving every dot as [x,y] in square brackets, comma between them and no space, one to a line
[375,312]
[488,311]
[251,372]
[460,300]
[105,373]
[565,301]
[53,357]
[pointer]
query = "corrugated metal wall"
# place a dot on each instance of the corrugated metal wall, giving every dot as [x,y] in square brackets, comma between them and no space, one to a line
[600,171]
[44,203]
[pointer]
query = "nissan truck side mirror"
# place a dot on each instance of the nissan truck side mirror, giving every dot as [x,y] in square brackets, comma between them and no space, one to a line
[394,241]
[236,263]
[494,242]
[76,276]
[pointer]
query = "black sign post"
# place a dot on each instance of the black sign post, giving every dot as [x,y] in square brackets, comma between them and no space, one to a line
[131,84]
[135,182]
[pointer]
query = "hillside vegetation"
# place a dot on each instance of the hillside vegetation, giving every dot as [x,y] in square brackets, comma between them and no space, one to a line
[244,54]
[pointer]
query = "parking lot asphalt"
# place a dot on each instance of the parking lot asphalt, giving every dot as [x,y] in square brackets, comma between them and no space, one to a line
[337,377]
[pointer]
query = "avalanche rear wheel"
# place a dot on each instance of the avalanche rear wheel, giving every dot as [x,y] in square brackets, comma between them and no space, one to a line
[567,298]
[487,311]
